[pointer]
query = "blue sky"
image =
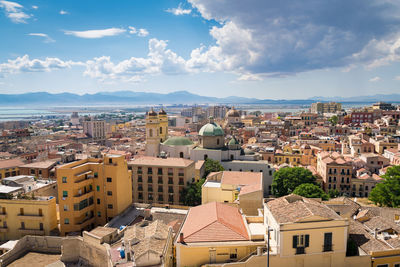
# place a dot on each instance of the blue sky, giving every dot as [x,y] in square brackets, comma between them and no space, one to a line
[254,48]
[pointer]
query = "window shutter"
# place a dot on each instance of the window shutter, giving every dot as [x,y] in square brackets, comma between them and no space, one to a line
[307,242]
[295,241]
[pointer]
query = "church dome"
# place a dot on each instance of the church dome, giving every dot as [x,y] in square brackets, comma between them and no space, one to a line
[233,113]
[211,129]
[178,141]
[233,141]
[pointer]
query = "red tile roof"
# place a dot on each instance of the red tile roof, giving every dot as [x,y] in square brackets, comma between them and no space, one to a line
[214,222]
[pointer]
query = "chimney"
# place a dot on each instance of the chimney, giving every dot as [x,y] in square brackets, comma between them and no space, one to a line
[181,238]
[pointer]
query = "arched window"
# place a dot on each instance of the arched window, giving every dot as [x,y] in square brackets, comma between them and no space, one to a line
[231,157]
[160,130]
[218,141]
[151,132]
[181,154]
[205,156]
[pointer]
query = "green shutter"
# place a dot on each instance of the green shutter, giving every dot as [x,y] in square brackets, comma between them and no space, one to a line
[307,243]
[295,241]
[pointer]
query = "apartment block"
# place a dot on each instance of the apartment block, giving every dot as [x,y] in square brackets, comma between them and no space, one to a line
[336,171]
[95,130]
[10,167]
[92,191]
[331,107]
[31,216]
[160,180]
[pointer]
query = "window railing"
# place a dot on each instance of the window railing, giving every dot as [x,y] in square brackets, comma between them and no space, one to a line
[327,247]
[300,250]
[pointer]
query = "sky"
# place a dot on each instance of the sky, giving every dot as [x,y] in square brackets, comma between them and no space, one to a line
[255,48]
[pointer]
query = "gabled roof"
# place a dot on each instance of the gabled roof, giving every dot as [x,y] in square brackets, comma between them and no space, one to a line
[214,222]
[294,208]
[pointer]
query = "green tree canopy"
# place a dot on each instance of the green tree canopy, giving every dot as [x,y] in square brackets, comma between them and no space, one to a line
[310,191]
[333,193]
[212,166]
[334,120]
[192,193]
[287,179]
[387,193]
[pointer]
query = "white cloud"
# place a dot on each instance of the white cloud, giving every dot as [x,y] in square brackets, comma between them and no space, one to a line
[159,60]
[143,33]
[397,78]
[375,79]
[179,10]
[14,11]
[132,30]
[279,39]
[47,39]
[63,12]
[92,34]
[35,7]
[25,64]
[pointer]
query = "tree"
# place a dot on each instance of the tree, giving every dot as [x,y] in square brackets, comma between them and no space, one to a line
[192,194]
[287,179]
[333,120]
[310,191]
[333,193]
[387,193]
[212,166]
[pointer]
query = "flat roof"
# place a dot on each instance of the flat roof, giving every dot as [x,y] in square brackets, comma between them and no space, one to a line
[162,162]
[4,189]
[41,164]
[212,184]
[256,228]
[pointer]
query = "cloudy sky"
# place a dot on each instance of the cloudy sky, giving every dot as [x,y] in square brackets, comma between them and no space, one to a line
[260,48]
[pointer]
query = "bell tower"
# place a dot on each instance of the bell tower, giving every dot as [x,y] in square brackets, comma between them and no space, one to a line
[152,134]
[163,125]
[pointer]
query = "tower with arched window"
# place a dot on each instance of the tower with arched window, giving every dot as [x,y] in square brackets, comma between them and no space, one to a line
[152,134]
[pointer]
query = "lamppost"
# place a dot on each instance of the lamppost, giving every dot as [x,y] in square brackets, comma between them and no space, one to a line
[268,231]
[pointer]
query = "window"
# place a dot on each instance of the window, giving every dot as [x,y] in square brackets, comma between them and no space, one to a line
[65,207]
[109,206]
[109,193]
[96,175]
[97,188]
[110,161]
[98,201]
[382,265]
[181,154]
[98,214]
[300,242]
[66,221]
[233,253]
[65,193]
[328,242]
[109,179]
[64,180]
[140,195]
[41,226]
[22,225]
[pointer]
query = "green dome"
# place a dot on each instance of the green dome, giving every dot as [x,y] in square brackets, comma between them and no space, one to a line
[178,141]
[233,141]
[211,129]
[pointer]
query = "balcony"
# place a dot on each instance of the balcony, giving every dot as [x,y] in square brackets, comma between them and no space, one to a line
[300,250]
[327,247]
[35,217]
[84,220]
[82,196]
[26,231]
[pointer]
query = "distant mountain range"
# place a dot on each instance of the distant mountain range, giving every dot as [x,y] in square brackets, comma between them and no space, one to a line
[178,97]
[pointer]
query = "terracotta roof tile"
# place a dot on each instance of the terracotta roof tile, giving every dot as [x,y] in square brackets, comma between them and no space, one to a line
[214,222]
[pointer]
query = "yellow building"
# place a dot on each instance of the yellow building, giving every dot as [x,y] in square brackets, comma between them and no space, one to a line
[231,186]
[161,180]
[19,217]
[156,131]
[217,233]
[289,156]
[9,167]
[93,191]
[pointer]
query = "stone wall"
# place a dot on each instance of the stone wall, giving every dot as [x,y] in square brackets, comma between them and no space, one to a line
[74,250]
[40,244]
